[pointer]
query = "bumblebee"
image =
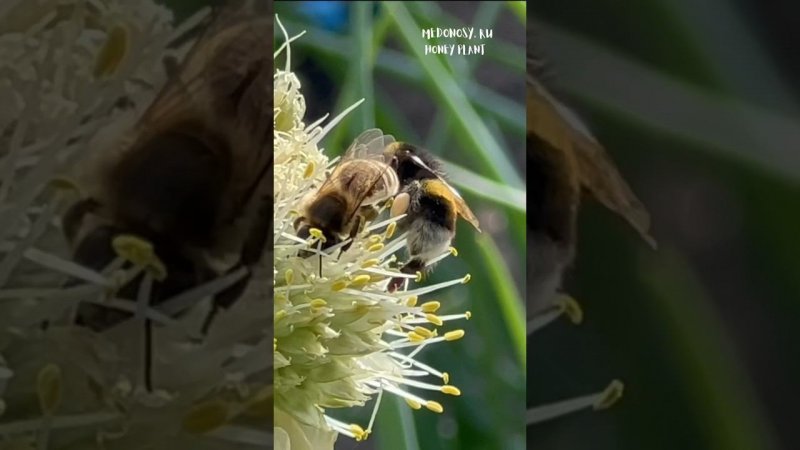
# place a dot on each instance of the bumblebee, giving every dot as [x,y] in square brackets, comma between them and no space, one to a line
[430,203]
[193,177]
[347,198]
[564,162]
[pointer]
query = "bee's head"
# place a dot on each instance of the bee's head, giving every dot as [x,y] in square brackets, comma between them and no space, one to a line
[411,162]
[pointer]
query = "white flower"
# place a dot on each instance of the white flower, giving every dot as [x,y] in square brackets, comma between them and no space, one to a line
[74,74]
[340,338]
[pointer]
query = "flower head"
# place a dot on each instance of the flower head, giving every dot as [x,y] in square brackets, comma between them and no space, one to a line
[74,75]
[340,338]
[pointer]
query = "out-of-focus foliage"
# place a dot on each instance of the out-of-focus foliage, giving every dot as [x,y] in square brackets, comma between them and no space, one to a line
[693,100]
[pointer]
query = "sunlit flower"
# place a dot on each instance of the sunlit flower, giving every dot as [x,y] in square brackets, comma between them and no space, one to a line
[74,75]
[341,339]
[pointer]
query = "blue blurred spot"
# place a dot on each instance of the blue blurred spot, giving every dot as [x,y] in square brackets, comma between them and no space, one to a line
[330,15]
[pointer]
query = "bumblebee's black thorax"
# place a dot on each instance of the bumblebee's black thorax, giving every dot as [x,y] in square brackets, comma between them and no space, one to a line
[408,170]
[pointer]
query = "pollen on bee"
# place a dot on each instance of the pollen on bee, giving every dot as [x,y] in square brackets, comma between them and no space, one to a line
[317,233]
[141,253]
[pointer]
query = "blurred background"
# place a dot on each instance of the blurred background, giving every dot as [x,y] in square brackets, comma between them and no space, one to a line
[698,103]
[468,111]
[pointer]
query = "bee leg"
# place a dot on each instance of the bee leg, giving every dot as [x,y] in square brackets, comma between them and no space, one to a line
[413,266]
[148,355]
[353,232]
[73,217]
[252,250]
[225,299]
[369,213]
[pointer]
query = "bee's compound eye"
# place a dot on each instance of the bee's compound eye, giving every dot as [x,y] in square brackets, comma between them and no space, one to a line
[400,204]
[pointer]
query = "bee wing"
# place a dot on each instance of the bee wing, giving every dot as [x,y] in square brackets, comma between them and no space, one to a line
[181,93]
[556,124]
[369,145]
[220,82]
[462,208]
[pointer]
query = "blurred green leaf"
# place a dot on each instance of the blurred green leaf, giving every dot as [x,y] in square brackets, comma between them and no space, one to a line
[509,301]
[701,350]
[472,130]
[518,8]
[363,59]
[396,424]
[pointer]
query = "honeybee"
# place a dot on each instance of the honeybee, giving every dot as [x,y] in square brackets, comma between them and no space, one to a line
[193,176]
[564,160]
[431,206]
[347,198]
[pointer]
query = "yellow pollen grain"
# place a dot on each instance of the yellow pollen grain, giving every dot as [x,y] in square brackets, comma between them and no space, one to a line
[309,170]
[451,390]
[466,279]
[370,263]
[453,251]
[413,404]
[431,306]
[422,331]
[434,319]
[468,315]
[446,377]
[112,52]
[318,303]
[360,280]
[140,252]
[49,387]
[206,417]
[434,406]
[317,233]
[66,184]
[375,239]
[338,285]
[390,230]
[419,277]
[280,314]
[412,301]
[454,335]
[288,276]
[359,432]
[414,337]
[375,247]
